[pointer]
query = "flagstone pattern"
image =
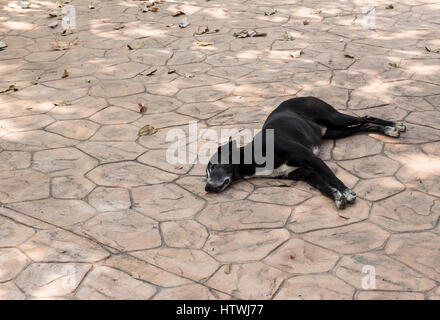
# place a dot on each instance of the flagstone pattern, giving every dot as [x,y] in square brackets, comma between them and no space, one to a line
[91,210]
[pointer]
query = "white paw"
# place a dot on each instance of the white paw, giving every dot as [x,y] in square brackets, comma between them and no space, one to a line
[349,195]
[340,200]
[400,126]
[392,132]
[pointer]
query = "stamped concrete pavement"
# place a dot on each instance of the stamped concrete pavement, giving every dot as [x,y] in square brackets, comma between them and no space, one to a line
[91,210]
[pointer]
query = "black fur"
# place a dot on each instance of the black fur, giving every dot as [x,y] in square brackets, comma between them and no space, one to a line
[299,124]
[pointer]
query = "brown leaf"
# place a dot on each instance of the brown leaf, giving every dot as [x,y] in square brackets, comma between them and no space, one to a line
[178,13]
[343,215]
[151,72]
[305,22]
[296,54]
[228,269]
[153,9]
[59,45]
[437,50]
[390,6]
[147,130]
[53,14]
[205,30]
[249,33]
[142,108]
[287,36]
[348,56]
[12,87]
[202,31]
[62,103]
[65,74]
[270,12]
[119,27]
[203,44]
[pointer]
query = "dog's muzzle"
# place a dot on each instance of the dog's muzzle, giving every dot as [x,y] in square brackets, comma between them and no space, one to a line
[213,186]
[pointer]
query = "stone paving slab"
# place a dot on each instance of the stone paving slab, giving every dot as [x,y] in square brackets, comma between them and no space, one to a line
[91,210]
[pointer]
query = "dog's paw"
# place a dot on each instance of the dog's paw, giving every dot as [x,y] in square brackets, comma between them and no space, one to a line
[392,132]
[400,126]
[349,195]
[340,200]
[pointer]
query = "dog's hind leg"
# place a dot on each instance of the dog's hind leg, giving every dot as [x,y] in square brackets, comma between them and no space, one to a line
[315,180]
[341,132]
[341,125]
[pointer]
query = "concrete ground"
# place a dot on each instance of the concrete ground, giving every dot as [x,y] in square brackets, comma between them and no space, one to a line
[90,209]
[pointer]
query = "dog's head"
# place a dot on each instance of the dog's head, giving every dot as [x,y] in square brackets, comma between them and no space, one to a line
[221,170]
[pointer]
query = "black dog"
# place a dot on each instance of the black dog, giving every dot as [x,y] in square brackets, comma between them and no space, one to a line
[298,126]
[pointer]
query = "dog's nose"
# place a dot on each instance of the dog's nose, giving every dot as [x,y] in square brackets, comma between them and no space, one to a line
[208,188]
[216,187]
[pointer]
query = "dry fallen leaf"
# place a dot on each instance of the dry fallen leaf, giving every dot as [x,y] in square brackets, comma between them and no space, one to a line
[12,87]
[65,74]
[66,32]
[53,14]
[287,36]
[390,6]
[278,183]
[184,23]
[3,45]
[59,45]
[228,269]
[305,22]
[296,54]
[153,9]
[151,72]
[119,27]
[142,108]
[249,33]
[147,130]
[178,13]
[348,56]
[343,215]
[203,44]
[270,12]
[205,30]
[392,64]
[62,103]
[436,50]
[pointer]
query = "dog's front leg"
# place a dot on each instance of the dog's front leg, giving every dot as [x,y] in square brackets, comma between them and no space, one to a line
[341,192]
